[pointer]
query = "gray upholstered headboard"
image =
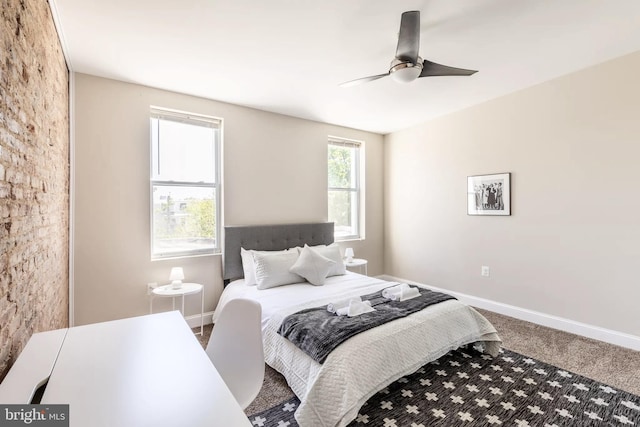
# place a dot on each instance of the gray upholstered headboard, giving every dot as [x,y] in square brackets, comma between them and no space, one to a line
[269,238]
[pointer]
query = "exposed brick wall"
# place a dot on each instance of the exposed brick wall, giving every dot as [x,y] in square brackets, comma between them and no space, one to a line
[34,177]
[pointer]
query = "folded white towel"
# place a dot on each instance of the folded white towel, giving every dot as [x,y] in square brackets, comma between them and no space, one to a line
[387,292]
[354,307]
[358,308]
[342,311]
[404,294]
[409,293]
[333,307]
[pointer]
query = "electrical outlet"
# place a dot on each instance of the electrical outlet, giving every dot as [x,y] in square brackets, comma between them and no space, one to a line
[151,287]
[484,271]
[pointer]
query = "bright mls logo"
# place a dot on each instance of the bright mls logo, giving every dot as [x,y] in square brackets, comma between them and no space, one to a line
[34,415]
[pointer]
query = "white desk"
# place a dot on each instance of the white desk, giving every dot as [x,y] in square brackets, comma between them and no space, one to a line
[32,368]
[147,371]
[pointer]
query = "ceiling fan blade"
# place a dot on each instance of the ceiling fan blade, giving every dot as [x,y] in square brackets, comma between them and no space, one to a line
[409,37]
[363,80]
[431,69]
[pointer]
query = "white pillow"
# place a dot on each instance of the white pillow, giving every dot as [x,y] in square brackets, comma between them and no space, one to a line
[333,253]
[248,265]
[312,266]
[273,270]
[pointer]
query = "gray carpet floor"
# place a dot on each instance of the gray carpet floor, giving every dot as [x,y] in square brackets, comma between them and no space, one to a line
[616,366]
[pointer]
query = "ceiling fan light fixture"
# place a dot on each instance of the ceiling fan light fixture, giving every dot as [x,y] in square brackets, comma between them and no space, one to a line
[407,65]
[405,72]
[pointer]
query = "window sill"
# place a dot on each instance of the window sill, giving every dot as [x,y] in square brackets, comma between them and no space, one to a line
[349,239]
[172,258]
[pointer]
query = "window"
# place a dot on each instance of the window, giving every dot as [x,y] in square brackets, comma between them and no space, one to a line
[344,195]
[185,184]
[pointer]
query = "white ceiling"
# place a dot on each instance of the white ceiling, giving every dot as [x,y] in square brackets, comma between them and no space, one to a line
[288,56]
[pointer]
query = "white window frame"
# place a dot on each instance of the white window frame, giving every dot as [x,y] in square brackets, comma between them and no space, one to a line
[357,211]
[199,120]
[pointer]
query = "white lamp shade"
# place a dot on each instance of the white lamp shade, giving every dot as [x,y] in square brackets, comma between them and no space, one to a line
[348,253]
[176,274]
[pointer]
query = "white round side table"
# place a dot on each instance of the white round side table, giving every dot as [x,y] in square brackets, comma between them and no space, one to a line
[167,291]
[358,262]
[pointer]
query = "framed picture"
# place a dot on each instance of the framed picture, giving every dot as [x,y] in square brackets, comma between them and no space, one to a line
[489,194]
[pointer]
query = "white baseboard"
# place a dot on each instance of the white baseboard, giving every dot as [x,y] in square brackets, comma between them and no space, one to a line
[595,332]
[194,321]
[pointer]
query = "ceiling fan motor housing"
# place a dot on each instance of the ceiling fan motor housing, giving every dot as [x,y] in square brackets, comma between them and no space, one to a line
[404,71]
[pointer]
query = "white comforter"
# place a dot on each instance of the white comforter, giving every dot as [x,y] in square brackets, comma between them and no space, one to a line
[332,393]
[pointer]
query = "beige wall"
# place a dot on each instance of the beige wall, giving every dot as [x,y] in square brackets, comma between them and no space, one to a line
[274,172]
[572,245]
[34,177]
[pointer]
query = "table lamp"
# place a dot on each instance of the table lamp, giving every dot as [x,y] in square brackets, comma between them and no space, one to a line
[176,276]
[348,253]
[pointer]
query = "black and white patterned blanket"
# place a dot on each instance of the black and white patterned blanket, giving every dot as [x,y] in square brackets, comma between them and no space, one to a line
[317,331]
[467,388]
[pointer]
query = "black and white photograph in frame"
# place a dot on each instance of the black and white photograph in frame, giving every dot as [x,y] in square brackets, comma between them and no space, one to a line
[489,194]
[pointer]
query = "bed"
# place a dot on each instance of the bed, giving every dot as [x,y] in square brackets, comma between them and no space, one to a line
[332,393]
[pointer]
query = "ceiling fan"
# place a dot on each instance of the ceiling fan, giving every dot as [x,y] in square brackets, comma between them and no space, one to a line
[407,65]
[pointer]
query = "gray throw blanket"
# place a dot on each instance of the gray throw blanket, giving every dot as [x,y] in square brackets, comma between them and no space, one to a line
[317,332]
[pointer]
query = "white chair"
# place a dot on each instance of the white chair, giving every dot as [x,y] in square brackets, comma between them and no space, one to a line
[235,348]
